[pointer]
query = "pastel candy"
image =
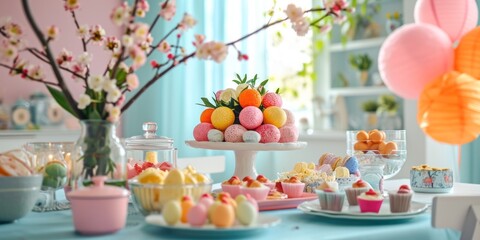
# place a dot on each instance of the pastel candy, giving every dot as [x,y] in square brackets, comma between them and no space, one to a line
[215,135]
[351,164]
[251,137]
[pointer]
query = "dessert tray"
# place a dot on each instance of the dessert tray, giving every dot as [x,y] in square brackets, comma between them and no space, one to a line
[353,212]
[275,204]
[263,223]
[245,153]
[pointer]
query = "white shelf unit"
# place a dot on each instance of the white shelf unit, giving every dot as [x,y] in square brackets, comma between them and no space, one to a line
[360,91]
[357,44]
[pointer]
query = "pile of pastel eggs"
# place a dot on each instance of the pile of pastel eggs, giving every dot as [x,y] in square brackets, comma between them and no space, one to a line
[254,121]
[224,212]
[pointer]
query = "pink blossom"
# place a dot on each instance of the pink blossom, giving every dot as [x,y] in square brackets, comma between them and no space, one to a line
[187,22]
[18,66]
[168,9]
[294,13]
[142,8]
[164,47]
[154,64]
[121,100]
[64,58]
[199,38]
[82,31]
[13,30]
[112,44]
[339,18]
[138,56]
[84,58]
[114,114]
[132,81]
[301,27]
[120,15]
[218,94]
[52,32]
[218,51]
[8,52]
[97,34]
[71,5]
[79,69]
[35,72]
[140,32]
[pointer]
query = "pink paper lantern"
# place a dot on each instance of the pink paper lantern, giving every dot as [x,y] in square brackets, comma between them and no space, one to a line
[412,56]
[455,17]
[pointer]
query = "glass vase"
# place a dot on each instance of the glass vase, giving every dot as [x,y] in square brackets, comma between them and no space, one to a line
[98,152]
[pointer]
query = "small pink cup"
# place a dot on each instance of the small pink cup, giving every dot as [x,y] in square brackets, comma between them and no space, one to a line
[293,190]
[99,209]
[258,194]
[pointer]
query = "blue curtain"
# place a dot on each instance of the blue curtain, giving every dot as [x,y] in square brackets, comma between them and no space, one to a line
[171,102]
[470,166]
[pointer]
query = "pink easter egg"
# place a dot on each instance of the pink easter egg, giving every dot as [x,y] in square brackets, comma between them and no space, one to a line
[288,134]
[412,56]
[272,99]
[251,117]
[268,133]
[197,215]
[234,133]
[200,132]
[454,17]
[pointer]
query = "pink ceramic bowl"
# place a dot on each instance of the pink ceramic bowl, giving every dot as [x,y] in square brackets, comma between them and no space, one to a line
[258,194]
[233,190]
[99,209]
[293,190]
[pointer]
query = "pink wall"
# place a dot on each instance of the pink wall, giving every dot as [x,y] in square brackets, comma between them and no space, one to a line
[48,12]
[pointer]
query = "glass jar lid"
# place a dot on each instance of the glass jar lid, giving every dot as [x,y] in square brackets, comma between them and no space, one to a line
[149,140]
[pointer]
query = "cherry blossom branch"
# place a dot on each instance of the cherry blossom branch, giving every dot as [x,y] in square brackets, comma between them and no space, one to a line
[35,52]
[122,51]
[84,43]
[30,78]
[163,39]
[56,71]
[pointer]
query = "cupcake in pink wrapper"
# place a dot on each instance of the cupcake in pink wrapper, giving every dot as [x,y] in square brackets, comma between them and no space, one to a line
[255,189]
[330,199]
[288,134]
[400,200]
[265,181]
[293,187]
[370,201]
[355,190]
[251,117]
[232,186]
[268,133]
[200,132]
[234,133]
[272,99]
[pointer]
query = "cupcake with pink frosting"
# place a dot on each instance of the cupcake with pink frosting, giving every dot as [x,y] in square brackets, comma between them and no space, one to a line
[370,201]
[234,133]
[269,133]
[251,117]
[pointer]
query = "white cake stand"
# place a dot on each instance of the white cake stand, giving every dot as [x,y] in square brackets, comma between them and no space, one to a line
[245,153]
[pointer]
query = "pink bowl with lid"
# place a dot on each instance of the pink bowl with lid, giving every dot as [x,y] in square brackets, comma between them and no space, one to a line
[99,209]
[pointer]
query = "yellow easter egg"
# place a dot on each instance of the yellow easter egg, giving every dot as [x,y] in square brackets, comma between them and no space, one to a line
[274,115]
[222,118]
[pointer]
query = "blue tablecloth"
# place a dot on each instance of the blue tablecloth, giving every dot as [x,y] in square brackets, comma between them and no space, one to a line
[295,225]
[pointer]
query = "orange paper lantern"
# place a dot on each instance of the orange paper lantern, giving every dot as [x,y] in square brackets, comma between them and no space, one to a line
[449,108]
[467,54]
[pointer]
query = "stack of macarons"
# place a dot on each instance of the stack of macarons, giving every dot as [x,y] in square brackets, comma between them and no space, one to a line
[248,113]
[328,162]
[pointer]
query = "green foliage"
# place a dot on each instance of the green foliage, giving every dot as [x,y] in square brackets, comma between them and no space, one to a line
[370,106]
[361,62]
[61,100]
[387,103]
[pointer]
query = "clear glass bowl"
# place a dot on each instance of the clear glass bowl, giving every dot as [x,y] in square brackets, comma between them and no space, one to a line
[150,198]
[391,163]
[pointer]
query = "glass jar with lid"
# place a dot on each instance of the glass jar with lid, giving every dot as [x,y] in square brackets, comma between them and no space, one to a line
[152,148]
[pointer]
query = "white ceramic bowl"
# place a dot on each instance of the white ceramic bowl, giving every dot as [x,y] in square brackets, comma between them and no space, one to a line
[18,196]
